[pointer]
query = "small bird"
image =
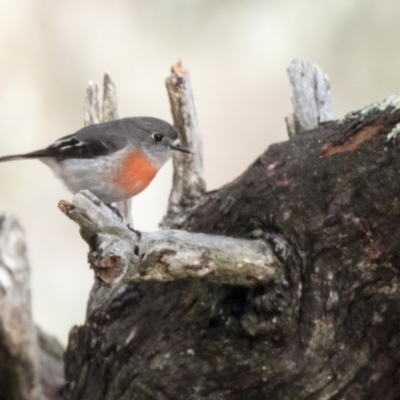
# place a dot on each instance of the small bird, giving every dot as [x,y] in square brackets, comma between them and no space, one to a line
[115,160]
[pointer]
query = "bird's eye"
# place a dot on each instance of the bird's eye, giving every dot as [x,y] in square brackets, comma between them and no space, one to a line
[158,137]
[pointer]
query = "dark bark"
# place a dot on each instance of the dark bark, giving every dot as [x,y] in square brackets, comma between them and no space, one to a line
[327,327]
[51,354]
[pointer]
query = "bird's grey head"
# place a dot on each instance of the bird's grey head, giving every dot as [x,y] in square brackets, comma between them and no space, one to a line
[155,137]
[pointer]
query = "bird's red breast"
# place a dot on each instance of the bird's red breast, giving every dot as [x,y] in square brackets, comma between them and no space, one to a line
[136,173]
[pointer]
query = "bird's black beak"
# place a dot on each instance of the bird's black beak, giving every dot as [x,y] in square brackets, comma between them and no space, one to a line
[179,147]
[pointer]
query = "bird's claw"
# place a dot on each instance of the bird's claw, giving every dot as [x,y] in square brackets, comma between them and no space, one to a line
[116,211]
[138,233]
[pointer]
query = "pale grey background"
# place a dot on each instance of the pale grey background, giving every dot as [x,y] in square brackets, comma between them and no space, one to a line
[237,53]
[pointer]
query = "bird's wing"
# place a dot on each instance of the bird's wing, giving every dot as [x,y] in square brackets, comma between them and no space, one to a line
[90,142]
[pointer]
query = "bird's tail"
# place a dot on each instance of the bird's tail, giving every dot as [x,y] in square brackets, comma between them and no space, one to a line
[33,154]
[13,157]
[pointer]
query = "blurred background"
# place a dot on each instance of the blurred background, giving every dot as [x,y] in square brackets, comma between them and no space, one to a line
[237,52]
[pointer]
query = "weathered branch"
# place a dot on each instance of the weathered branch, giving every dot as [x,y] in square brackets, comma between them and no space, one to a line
[91,107]
[120,254]
[110,112]
[96,111]
[110,109]
[188,181]
[19,353]
[312,98]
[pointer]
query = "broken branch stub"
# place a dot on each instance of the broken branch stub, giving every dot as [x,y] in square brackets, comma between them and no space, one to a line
[311,98]
[97,110]
[110,113]
[91,108]
[118,254]
[174,254]
[110,108]
[188,178]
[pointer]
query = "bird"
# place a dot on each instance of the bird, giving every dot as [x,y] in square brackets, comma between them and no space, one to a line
[114,160]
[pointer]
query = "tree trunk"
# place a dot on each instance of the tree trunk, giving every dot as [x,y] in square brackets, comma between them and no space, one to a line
[324,325]
[283,284]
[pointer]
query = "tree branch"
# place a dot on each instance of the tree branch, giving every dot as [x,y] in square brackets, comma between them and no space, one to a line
[110,112]
[312,98]
[110,108]
[19,355]
[188,181]
[119,254]
[96,111]
[91,107]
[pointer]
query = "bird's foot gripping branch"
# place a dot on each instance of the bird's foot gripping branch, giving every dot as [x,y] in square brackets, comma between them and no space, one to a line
[116,253]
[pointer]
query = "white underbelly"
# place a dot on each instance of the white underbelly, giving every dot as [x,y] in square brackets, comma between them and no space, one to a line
[96,175]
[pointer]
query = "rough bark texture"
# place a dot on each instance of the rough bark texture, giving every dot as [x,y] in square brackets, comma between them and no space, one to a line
[51,358]
[325,328]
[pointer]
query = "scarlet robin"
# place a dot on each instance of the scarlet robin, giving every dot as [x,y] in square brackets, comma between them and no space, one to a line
[114,160]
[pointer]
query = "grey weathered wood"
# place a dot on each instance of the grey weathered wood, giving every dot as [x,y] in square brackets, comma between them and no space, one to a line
[110,104]
[110,112]
[19,352]
[311,98]
[188,179]
[92,112]
[98,110]
[120,254]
